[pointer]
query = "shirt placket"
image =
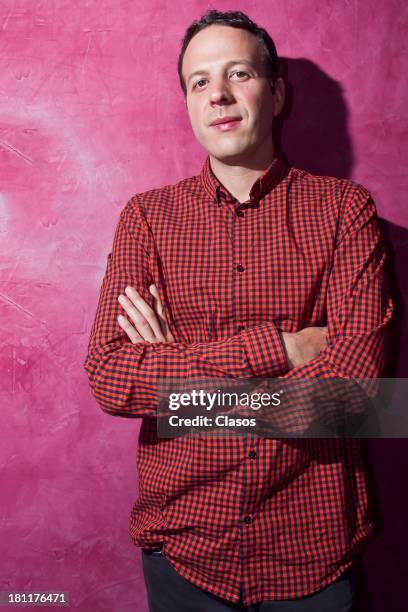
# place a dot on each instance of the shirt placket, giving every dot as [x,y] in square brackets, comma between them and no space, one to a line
[241,261]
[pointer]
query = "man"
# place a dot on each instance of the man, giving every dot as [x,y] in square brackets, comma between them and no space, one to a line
[252,268]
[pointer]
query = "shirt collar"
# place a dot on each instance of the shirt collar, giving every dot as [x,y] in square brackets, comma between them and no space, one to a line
[263,185]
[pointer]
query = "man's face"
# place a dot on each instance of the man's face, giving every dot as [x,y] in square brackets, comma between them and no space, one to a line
[225,76]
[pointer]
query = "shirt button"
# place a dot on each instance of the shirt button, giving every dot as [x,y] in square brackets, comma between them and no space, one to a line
[253,454]
[240,268]
[240,328]
[247,519]
[239,213]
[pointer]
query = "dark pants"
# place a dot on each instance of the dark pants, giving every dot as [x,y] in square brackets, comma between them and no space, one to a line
[167,591]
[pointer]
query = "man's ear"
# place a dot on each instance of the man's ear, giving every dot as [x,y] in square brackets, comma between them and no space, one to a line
[279,95]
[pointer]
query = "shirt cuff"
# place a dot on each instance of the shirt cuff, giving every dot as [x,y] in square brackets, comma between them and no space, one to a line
[265,350]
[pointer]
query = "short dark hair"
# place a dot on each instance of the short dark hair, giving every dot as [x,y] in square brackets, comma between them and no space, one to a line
[234,19]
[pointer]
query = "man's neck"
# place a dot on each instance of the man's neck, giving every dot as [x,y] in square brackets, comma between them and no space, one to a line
[238,178]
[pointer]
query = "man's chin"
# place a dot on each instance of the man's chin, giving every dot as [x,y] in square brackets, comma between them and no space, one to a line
[229,156]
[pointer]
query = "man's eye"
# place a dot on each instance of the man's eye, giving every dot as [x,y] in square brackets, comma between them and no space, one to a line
[197,84]
[240,73]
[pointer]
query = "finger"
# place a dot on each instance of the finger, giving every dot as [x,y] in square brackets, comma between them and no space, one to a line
[158,306]
[141,315]
[169,336]
[137,319]
[161,314]
[148,313]
[129,329]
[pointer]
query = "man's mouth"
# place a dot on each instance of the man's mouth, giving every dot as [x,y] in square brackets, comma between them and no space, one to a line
[226,123]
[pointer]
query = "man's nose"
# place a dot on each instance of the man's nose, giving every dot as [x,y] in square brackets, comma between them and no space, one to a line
[221,92]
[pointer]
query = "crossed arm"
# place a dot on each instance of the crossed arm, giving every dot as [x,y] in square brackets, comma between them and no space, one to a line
[147,324]
[126,358]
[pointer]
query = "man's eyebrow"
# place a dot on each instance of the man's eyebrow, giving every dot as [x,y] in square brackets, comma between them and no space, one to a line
[227,65]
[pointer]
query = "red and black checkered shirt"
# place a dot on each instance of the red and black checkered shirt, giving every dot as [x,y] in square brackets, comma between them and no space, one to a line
[271,518]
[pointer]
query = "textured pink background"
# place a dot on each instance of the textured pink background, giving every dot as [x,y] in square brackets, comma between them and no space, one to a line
[91,113]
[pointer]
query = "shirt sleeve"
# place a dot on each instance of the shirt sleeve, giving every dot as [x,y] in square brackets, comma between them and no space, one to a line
[123,376]
[359,314]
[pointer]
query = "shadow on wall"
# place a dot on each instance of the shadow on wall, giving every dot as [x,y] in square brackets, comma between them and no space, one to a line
[313,134]
[312,129]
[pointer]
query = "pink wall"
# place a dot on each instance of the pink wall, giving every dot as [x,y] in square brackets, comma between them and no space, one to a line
[91,113]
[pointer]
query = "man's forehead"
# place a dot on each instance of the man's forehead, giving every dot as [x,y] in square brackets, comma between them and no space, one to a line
[216,46]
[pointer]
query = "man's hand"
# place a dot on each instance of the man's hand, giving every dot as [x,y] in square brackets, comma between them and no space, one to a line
[147,324]
[305,345]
